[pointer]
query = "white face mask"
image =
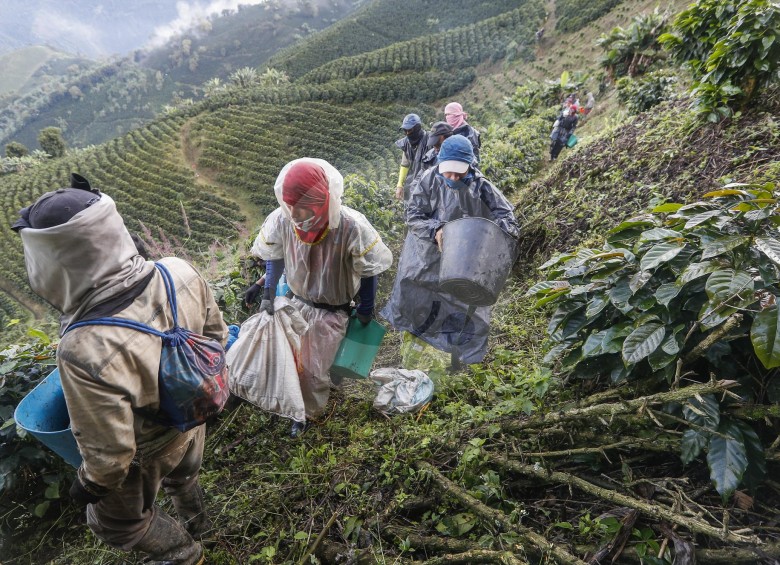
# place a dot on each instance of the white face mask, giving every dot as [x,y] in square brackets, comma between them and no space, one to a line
[305,225]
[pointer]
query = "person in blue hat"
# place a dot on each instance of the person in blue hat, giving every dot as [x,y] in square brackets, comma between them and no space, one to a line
[414,144]
[451,190]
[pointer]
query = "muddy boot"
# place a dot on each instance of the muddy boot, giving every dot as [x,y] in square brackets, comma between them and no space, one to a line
[192,511]
[168,543]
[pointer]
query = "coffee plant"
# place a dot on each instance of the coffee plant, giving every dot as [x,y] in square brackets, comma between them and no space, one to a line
[684,292]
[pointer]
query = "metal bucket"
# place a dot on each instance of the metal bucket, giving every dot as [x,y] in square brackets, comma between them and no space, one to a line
[476,258]
[44,414]
[357,350]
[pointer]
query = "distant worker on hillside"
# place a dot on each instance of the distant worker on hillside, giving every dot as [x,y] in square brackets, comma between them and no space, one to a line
[562,131]
[413,145]
[331,255]
[456,117]
[451,190]
[81,259]
[439,132]
[590,103]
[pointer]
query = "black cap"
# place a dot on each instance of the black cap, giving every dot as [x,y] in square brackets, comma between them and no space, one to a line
[57,207]
[439,129]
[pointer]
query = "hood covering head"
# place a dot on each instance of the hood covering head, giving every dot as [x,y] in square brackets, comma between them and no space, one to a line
[314,184]
[83,262]
[454,114]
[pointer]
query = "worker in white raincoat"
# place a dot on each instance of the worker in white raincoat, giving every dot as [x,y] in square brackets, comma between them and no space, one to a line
[331,256]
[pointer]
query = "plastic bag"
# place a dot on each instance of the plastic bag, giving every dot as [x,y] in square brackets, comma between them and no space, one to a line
[401,391]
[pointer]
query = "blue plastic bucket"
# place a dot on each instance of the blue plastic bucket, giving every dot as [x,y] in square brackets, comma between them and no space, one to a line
[44,414]
[357,350]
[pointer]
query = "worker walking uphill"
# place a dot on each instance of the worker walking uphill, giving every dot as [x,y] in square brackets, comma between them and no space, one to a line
[453,189]
[331,256]
[439,132]
[456,117]
[81,259]
[414,144]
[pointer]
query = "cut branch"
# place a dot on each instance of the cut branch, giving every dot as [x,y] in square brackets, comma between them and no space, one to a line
[492,516]
[649,509]
[617,408]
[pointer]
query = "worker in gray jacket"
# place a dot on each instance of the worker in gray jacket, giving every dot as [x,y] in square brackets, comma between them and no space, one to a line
[451,190]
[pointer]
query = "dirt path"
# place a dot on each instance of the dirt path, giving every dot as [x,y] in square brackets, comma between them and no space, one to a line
[207,179]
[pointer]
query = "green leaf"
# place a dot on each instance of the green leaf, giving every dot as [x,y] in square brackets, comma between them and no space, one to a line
[756,470]
[769,247]
[696,270]
[642,342]
[596,306]
[657,234]
[53,490]
[720,246]
[726,285]
[659,254]
[592,345]
[691,445]
[666,208]
[704,411]
[546,287]
[556,260]
[620,293]
[639,280]
[301,536]
[764,336]
[701,218]
[550,298]
[640,222]
[665,293]
[727,459]
[32,332]
[457,525]
[40,509]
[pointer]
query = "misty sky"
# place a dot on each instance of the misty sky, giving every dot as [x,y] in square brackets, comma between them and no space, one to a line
[97,28]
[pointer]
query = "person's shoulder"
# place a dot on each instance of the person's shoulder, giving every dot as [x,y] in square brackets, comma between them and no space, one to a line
[401,143]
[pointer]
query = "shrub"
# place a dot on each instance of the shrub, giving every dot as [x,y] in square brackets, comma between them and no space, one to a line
[681,291]
[642,93]
[16,149]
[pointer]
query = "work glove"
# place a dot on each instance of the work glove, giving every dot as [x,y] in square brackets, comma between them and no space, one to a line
[364,318]
[267,304]
[251,294]
[81,496]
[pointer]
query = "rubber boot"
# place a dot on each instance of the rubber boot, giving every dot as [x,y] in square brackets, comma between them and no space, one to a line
[191,510]
[168,543]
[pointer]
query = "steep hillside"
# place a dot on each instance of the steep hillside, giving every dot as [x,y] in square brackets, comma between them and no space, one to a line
[518,459]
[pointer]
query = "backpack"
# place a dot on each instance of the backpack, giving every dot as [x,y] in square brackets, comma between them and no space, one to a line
[193,375]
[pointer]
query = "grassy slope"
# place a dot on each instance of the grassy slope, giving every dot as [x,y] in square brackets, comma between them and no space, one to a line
[354,476]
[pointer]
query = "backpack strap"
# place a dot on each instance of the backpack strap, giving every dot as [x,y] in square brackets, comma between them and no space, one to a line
[172,338]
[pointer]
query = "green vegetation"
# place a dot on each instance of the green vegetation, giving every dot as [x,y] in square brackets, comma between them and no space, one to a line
[732,48]
[574,15]
[685,290]
[517,459]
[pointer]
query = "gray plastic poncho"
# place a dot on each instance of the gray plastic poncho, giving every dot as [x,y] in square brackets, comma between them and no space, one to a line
[417,304]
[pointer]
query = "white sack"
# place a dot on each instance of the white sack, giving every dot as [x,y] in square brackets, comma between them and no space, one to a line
[264,361]
[401,390]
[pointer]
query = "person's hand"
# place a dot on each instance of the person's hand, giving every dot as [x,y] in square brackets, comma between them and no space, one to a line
[364,318]
[399,192]
[439,237]
[267,304]
[251,294]
[81,496]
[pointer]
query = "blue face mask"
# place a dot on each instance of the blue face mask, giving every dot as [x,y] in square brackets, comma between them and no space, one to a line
[456,184]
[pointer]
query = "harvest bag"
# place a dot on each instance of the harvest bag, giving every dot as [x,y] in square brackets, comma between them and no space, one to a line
[193,376]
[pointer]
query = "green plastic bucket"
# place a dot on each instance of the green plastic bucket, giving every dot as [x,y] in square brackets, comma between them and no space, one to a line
[357,350]
[44,414]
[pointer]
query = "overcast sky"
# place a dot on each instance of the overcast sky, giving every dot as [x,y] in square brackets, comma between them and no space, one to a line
[96,28]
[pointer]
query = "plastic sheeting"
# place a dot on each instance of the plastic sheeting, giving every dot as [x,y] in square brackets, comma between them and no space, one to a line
[417,304]
[264,361]
[401,391]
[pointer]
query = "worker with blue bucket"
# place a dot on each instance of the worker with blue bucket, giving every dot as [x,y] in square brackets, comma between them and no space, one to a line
[81,259]
[331,256]
[451,193]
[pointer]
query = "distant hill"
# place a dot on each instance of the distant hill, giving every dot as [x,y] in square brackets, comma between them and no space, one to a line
[103,101]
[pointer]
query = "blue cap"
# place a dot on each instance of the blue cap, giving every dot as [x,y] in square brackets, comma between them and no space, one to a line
[410,121]
[455,155]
